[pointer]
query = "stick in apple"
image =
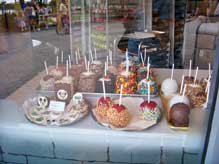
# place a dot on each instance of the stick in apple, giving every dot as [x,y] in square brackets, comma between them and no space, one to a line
[62,57]
[184,92]
[111,57]
[182,84]
[88,66]
[95,53]
[172,72]
[105,68]
[57,62]
[149,91]
[209,85]
[127,55]
[127,67]
[85,62]
[76,57]
[79,55]
[69,58]
[142,60]
[107,62]
[46,68]
[190,68]
[206,89]
[148,68]
[104,89]
[120,95]
[67,74]
[196,74]
[145,54]
[91,56]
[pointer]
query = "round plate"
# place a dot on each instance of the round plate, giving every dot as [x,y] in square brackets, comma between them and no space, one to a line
[46,117]
[136,124]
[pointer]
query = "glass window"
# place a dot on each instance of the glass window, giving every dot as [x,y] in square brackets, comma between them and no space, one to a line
[115,81]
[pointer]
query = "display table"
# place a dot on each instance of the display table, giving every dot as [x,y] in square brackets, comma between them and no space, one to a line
[86,142]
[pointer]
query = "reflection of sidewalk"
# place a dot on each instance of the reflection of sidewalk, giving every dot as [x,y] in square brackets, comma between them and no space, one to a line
[16,66]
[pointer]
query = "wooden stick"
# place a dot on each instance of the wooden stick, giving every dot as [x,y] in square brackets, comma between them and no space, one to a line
[57,62]
[76,57]
[184,92]
[182,84]
[120,95]
[104,89]
[69,58]
[67,74]
[149,92]
[196,74]
[172,72]
[142,60]
[190,68]
[45,64]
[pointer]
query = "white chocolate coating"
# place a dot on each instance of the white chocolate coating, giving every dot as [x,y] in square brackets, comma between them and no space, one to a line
[179,99]
[169,87]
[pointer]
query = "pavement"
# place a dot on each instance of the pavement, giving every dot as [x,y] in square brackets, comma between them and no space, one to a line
[21,61]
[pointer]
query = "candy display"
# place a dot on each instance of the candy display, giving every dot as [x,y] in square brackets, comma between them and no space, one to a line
[62,67]
[149,111]
[56,73]
[189,80]
[37,111]
[128,79]
[122,66]
[75,72]
[78,106]
[64,89]
[97,67]
[43,102]
[179,115]
[118,116]
[47,83]
[87,82]
[169,87]
[109,80]
[103,105]
[204,82]
[113,69]
[142,73]
[196,95]
[143,87]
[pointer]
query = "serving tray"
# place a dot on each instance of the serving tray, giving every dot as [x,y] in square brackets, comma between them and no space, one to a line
[45,117]
[135,124]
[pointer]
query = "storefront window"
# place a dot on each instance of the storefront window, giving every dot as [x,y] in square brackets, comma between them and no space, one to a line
[107,81]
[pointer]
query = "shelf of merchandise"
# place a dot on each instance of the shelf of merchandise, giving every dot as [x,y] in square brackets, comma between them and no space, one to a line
[180,14]
[103,39]
[174,29]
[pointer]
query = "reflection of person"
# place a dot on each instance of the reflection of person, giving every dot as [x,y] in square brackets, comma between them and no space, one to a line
[46,14]
[28,14]
[62,18]
[162,8]
[63,10]
[23,4]
[20,21]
